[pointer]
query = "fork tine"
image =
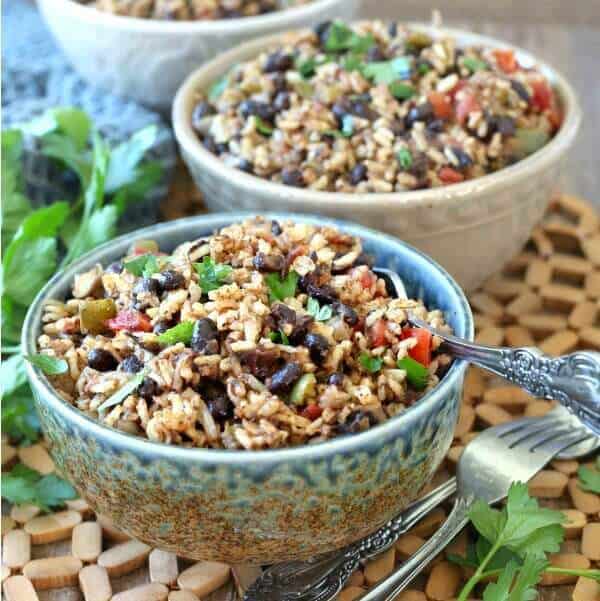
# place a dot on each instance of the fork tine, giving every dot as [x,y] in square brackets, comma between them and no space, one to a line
[558,445]
[541,437]
[533,428]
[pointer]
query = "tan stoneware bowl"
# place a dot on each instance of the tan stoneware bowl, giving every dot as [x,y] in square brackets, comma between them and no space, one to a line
[470,228]
[148,59]
[256,506]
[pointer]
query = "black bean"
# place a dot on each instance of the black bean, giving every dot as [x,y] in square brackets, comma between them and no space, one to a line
[217,402]
[375,55]
[397,126]
[212,146]
[282,101]
[283,380]
[318,346]
[348,314]
[171,280]
[205,337]
[421,112]
[260,362]
[322,31]
[357,421]
[278,61]
[503,124]
[161,327]
[436,126]
[279,81]
[101,360]
[420,165]
[358,174]
[201,110]
[324,294]
[268,263]
[300,329]
[116,267]
[283,314]
[464,160]
[520,89]
[259,109]
[340,109]
[276,228]
[293,177]
[364,259]
[131,364]
[336,379]
[360,108]
[150,285]
[148,389]
[393,29]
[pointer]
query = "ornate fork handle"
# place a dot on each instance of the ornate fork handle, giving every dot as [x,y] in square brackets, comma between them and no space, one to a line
[389,588]
[323,578]
[573,380]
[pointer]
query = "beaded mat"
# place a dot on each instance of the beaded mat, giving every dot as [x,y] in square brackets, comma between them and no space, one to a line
[549,295]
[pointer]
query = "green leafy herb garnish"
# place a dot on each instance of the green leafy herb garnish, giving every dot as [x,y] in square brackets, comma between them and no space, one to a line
[262,126]
[371,364]
[401,90]
[22,485]
[405,158]
[142,266]
[123,392]
[474,64]
[211,275]
[416,374]
[423,68]
[182,332]
[51,366]
[589,478]
[340,37]
[217,88]
[280,289]
[513,545]
[279,337]
[388,71]
[307,67]
[319,313]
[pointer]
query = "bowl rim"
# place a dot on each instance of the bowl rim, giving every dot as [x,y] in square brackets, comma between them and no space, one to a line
[193,151]
[279,18]
[45,391]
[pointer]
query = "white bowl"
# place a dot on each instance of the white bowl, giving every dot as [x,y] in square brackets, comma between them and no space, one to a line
[471,228]
[147,59]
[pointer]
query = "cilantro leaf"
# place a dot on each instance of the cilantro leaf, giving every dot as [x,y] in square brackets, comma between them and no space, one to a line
[51,366]
[218,87]
[182,332]
[123,392]
[74,124]
[211,275]
[474,64]
[370,364]
[307,67]
[507,588]
[279,337]
[589,478]
[340,37]
[142,266]
[23,485]
[319,313]
[12,374]
[405,158]
[280,289]
[499,591]
[401,90]
[19,418]
[266,129]
[388,72]
[13,316]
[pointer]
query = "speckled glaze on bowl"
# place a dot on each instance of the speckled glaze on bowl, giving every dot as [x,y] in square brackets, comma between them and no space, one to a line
[256,506]
[148,59]
[470,228]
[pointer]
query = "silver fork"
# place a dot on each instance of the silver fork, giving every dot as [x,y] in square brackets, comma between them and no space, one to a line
[486,469]
[322,578]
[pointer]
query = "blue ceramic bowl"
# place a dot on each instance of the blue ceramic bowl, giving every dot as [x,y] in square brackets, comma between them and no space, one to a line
[256,506]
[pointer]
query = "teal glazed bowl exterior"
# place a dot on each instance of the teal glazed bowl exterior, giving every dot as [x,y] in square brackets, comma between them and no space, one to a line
[256,507]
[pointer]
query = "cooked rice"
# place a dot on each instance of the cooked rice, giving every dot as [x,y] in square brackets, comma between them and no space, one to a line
[237,382]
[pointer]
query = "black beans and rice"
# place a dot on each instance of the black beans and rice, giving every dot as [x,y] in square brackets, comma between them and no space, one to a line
[262,335]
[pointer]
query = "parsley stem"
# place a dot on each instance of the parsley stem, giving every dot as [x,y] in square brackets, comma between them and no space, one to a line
[585,573]
[479,573]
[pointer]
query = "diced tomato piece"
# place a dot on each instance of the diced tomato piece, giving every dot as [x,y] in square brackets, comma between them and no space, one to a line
[312,412]
[456,89]
[377,333]
[366,277]
[421,352]
[450,176]
[542,95]
[133,321]
[442,106]
[555,117]
[506,60]
[466,105]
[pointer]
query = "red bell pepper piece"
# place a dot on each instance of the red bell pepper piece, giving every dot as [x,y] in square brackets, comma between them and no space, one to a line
[542,95]
[466,105]
[132,321]
[312,412]
[450,176]
[442,106]
[421,352]
[377,333]
[506,60]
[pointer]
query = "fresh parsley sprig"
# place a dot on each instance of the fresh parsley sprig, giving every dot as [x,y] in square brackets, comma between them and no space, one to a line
[281,288]
[319,313]
[589,478]
[211,275]
[369,363]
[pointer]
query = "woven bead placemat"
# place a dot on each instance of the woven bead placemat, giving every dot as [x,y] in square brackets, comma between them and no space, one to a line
[549,295]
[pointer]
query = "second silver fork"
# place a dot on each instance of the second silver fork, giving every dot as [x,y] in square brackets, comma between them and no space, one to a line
[322,579]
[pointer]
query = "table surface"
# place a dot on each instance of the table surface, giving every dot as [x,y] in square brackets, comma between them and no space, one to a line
[565,35]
